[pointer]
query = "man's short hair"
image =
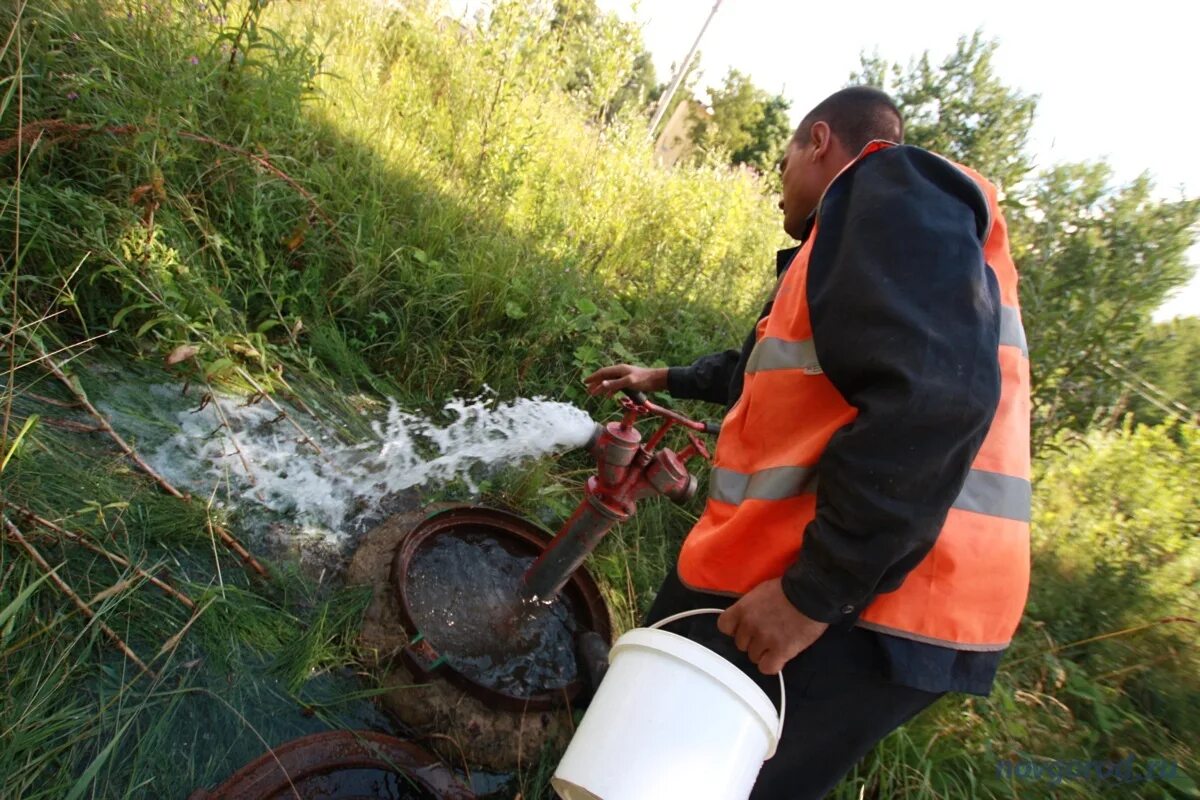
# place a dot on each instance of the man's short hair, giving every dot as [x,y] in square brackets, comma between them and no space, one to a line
[856,116]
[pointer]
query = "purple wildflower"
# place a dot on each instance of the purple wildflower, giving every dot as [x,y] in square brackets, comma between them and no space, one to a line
[194,60]
[72,96]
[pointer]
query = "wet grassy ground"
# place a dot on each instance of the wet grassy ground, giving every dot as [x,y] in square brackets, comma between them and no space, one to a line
[255,662]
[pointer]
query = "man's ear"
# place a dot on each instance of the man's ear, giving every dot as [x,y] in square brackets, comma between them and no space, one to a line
[822,140]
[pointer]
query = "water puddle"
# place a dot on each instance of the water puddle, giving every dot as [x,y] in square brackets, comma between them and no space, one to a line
[464,593]
[355,784]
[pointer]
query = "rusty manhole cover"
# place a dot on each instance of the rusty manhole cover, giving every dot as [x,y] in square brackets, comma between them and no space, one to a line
[342,765]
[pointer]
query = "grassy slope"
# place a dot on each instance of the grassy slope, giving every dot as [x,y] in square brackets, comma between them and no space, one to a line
[387,203]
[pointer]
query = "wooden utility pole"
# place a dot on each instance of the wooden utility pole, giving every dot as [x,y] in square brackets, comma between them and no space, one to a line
[665,100]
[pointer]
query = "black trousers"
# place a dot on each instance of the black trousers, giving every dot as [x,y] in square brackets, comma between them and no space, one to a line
[839,700]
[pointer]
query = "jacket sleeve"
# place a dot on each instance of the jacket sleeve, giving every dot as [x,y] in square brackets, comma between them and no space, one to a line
[905,318]
[708,378]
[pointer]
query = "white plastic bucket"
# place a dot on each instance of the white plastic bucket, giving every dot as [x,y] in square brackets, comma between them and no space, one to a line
[671,719]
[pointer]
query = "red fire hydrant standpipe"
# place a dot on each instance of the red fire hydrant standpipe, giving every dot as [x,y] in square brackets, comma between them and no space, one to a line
[627,471]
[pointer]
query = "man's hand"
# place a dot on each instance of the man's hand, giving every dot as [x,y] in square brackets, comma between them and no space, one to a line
[610,380]
[767,627]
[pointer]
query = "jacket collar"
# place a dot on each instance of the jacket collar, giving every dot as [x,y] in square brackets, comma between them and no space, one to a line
[783,258]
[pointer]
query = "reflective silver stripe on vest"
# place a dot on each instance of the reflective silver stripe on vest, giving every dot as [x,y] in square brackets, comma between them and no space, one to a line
[996,495]
[916,637]
[776,483]
[771,354]
[1012,333]
[983,492]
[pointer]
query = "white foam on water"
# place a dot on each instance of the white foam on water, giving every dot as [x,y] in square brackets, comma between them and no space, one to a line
[327,492]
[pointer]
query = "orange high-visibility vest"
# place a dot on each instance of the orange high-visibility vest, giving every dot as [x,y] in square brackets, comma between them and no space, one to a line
[970,589]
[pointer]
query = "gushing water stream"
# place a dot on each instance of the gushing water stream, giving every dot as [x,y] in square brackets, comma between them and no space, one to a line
[250,456]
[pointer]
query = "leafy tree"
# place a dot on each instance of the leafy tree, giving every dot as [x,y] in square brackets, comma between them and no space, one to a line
[961,109]
[768,137]
[639,89]
[1162,379]
[747,122]
[1095,262]
[604,59]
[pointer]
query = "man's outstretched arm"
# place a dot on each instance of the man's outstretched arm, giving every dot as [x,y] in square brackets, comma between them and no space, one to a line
[707,378]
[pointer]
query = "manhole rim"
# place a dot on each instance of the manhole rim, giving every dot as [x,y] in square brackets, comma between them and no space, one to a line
[582,590]
[280,768]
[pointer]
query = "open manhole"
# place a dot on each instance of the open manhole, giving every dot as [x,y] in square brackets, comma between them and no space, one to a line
[342,765]
[456,578]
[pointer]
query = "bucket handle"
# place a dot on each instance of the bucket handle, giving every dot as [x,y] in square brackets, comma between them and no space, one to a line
[697,612]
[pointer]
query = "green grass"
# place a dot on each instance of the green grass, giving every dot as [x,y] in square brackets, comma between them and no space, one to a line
[441,232]
[361,203]
[78,715]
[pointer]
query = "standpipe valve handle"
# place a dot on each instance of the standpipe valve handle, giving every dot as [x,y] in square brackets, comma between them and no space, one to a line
[635,396]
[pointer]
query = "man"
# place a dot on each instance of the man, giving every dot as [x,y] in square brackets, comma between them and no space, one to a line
[868,508]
